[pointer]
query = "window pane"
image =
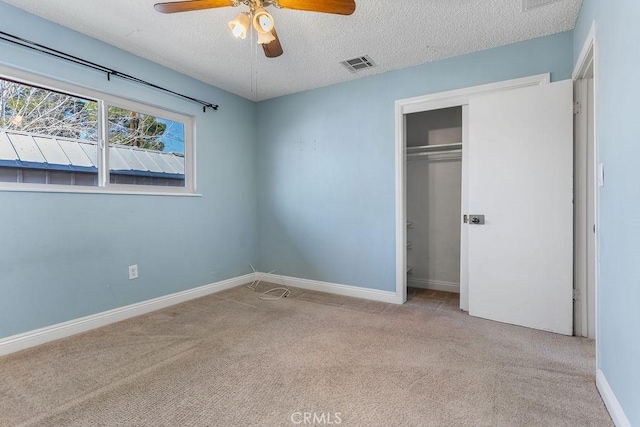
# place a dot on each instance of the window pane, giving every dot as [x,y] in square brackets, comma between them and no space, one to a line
[34,176]
[86,179]
[8,174]
[145,150]
[45,134]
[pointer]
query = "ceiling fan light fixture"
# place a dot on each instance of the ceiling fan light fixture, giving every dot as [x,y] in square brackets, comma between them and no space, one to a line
[240,25]
[263,21]
[260,19]
[265,38]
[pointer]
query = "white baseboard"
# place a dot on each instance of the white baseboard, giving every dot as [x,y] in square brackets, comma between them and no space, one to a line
[332,288]
[47,334]
[61,330]
[435,285]
[610,401]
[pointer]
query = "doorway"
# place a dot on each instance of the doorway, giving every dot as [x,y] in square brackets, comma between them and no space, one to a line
[451,99]
[434,194]
[520,255]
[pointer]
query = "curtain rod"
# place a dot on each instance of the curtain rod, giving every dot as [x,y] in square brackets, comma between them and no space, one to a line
[109,71]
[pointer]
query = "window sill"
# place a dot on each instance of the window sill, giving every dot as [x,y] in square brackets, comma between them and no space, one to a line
[96,190]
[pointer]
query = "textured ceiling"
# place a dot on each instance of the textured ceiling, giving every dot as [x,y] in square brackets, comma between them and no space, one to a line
[395,34]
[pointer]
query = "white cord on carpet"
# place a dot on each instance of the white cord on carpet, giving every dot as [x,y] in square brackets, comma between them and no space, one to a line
[265,295]
[254,285]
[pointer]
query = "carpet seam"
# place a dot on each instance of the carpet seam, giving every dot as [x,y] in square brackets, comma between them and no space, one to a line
[68,405]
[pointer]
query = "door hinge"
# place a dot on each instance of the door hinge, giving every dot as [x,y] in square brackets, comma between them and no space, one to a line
[577,108]
[576,294]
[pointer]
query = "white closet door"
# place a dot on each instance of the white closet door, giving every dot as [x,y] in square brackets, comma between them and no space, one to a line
[520,178]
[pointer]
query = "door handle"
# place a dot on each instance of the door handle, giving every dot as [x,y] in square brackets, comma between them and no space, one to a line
[476,219]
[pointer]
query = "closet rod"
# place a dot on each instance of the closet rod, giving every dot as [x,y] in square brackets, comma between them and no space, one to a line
[439,152]
[442,147]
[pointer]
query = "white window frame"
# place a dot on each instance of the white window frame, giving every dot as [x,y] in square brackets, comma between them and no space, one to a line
[104,101]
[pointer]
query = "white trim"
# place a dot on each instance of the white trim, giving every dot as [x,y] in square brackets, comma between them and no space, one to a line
[596,143]
[61,330]
[581,212]
[458,97]
[464,204]
[331,288]
[401,197]
[589,55]
[596,146]
[585,61]
[581,63]
[611,402]
[454,98]
[436,285]
[53,188]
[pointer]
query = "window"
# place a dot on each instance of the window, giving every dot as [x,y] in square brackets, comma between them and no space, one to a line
[66,136]
[144,149]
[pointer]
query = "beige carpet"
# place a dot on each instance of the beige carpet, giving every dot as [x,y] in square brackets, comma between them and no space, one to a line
[233,360]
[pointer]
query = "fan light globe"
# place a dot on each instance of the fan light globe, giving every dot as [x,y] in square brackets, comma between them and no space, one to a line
[240,25]
[263,21]
[265,38]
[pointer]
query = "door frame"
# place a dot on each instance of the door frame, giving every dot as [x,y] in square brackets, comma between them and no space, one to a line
[586,60]
[453,98]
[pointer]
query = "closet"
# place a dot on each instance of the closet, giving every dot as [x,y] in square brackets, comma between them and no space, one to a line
[433,187]
[491,218]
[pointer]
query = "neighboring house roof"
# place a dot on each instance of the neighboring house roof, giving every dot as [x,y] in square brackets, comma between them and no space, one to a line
[26,150]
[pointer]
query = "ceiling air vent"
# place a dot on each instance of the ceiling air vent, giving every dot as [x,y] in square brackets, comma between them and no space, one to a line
[528,5]
[358,64]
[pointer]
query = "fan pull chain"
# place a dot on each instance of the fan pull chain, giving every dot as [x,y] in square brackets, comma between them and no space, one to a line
[254,64]
[255,47]
[251,58]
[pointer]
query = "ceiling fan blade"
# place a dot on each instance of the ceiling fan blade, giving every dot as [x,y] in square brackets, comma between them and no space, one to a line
[186,6]
[339,7]
[273,49]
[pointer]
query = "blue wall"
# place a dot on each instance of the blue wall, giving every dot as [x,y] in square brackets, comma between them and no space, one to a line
[63,256]
[618,131]
[326,162]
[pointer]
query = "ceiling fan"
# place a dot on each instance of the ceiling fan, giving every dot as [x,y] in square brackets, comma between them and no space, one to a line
[262,20]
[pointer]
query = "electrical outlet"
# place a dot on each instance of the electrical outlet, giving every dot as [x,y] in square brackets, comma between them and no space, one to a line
[133,271]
